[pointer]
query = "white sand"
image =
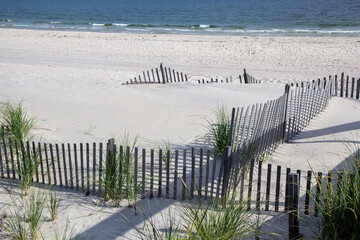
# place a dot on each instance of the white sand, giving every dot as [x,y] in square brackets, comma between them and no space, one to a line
[71,81]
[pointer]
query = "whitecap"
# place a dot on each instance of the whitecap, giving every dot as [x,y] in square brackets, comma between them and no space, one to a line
[120,24]
[204,26]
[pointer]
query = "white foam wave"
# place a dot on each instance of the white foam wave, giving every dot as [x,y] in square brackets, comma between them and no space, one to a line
[98,24]
[120,24]
[55,22]
[204,26]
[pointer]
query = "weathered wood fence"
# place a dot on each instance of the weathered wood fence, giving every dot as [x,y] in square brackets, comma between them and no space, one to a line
[177,174]
[346,87]
[245,79]
[161,75]
[255,132]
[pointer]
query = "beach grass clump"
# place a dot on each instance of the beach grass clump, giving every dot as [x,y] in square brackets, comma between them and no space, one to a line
[222,221]
[34,207]
[220,129]
[339,203]
[113,179]
[15,226]
[200,220]
[15,121]
[119,179]
[53,205]
[28,165]
[128,166]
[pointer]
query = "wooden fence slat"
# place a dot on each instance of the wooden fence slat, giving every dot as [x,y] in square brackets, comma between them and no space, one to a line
[352,87]
[167,189]
[40,159]
[173,74]
[152,173]
[176,173]
[213,177]
[82,167]
[136,157]
[207,173]
[64,163]
[358,88]
[94,168]
[87,168]
[157,74]
[143,168]
[342,85]
[192,172]
[12,160]
[250,183]
[287,190]
[258,186]
[277,191]
[318,188]
[76,168]
[100,177]
[6,159]
[53,163]
[36,157]
[1,164]
[70,167]
[178,77]
[153,75]
[347,87]
[160,172]
[29,155]
[268,185]
[170,77]
[307,194]
[148,75]
[18,158]
[47,163]
[200,172]
[144,76]
[184,175]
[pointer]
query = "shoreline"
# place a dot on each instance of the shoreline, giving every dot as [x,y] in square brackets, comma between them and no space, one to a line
[251,33]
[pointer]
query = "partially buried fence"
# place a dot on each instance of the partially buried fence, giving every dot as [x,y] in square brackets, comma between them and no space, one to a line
[161,75]
[164,75]
[245,79]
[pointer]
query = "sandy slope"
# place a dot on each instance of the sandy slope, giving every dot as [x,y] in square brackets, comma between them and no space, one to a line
[71,81]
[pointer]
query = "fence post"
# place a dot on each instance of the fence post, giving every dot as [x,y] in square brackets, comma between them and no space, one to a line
[245,77]
[162,73]
[110,162]
[293,206]
[287,89]
[226,173]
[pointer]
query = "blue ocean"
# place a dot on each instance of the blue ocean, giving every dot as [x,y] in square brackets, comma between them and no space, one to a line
[227,17]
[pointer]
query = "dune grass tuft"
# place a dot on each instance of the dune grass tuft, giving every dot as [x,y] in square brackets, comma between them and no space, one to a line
[339,202]
[15,121]
[220,129]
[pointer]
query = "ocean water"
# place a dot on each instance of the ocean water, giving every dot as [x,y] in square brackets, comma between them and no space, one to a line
[229,17]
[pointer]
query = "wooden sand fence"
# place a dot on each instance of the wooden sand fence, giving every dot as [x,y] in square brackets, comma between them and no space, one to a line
[256,132]
[178,174]
[161,75]
[347,86]
[245,79]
